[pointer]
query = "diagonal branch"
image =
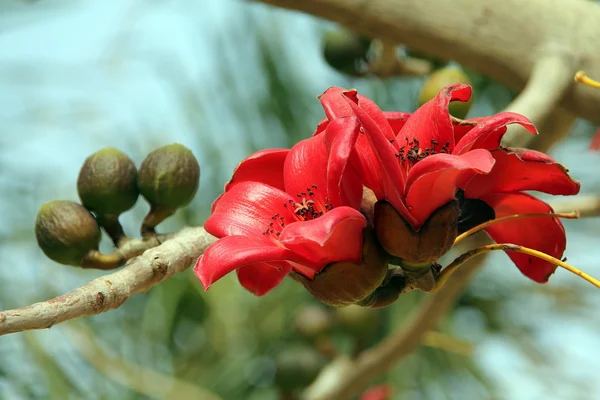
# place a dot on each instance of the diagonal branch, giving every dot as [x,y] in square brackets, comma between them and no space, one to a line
[474,33]
[110,291]
[347,378]
[550,78]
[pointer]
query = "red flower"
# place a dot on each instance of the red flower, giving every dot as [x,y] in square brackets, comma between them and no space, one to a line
[379,392]
[517,170]
[412,161]
[287,210]
[416,162]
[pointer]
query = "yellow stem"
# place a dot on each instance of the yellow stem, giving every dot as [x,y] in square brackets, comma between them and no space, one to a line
[464,235]
[581,77]
[453,266]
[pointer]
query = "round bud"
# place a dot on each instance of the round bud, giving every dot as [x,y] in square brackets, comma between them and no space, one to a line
[297,366]
[169,177]
[107,182]
[313,321]
[360,322]
[344,50]
[66,232]
[442,78]
[416,248]
[343,283]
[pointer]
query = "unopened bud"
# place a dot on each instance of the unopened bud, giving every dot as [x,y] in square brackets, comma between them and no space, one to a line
[361,323]
[442,78]
[423,247]
[297,366]
[107,182]
[168,180]
[313,321]
[345,50]
[342,283]
[66,232]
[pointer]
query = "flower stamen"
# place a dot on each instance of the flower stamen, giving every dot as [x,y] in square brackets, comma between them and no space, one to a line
[464,235]
[460,260]
[581,77]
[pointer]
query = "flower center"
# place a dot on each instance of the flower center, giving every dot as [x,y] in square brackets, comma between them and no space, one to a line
[412,152]
[307,208]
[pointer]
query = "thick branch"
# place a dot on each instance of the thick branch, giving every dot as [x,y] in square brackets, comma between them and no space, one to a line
[551,76]
[502,40]
[110,291]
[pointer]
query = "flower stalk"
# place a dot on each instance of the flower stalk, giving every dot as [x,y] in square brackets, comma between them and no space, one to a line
[454,265]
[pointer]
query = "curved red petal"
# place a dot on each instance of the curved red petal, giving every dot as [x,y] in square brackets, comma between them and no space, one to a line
[321,126]
[544,234]
[334,104]
[315,173]
[522,169]
[248,208]
[344,187]
[431,123]
[392,176]
[433,181]
[233,252]
[396,119]
[265,166]
[259,278]
[488,132]
[335,236]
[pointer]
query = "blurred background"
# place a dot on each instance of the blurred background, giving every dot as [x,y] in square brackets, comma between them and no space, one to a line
[227,78]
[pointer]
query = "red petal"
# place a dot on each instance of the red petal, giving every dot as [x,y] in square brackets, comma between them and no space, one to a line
[344,186]
[544,234]
[431,121]
[392,175]
[489,131]
[521,169]
[335,236]
[232,252]
[321,126]
[265,166]
[396,120]
[260,278]
[433,181]
[595,142]
[334,104]
[311,167]
[248,208]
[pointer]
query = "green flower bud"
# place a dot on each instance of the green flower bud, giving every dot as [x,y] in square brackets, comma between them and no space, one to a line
[107,182]
[344,50]
[440,79]
[66,232]
[169,177]
[313,321]
[297,366]
[361,323]
[343,283]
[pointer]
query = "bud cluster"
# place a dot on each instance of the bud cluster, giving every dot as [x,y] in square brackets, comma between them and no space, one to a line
[108,185]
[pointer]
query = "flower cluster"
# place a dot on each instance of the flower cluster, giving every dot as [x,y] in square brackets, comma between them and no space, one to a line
[371,186]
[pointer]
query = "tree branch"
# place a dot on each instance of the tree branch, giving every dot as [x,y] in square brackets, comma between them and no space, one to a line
[155,265]
[345,378]
[475,33]
[110,291]
[550,77]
